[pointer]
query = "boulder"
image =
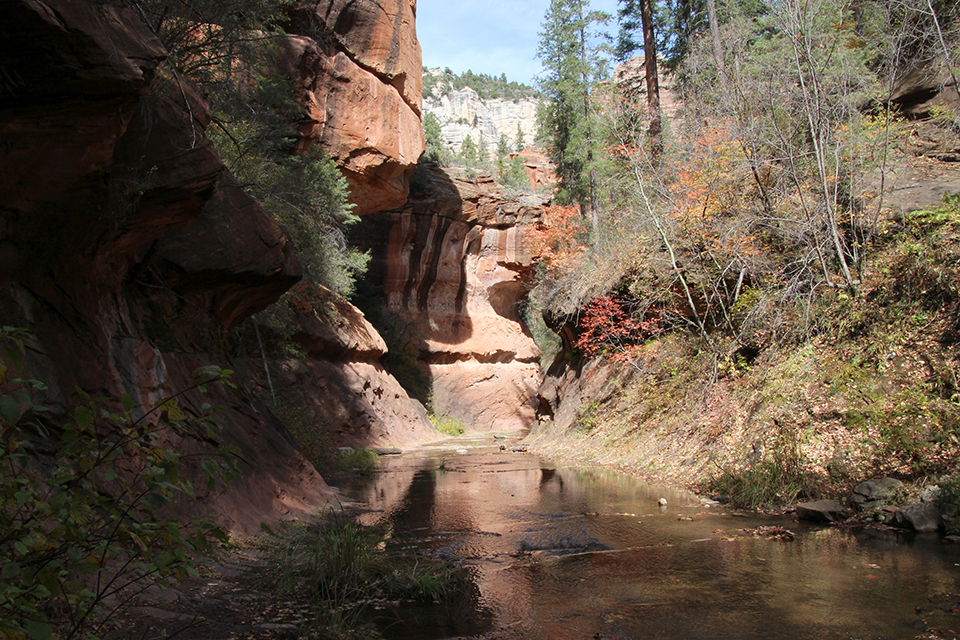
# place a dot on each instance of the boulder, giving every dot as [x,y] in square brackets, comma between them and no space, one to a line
[918,517]
[873,494]
[334,329]
[930,493]
[822,511]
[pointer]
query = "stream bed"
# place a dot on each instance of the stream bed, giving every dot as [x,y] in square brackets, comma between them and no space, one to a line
[558,553]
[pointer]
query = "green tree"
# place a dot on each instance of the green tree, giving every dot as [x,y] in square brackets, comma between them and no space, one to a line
[572,64]
[435,149]
[513,175]
[254,132]
[200,36]
[503,146]
[519,144]
[468,151]
[483,154]
[227,47]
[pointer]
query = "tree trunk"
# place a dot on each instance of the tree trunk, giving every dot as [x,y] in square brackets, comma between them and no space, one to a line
[655,130]
[715,34]
[586,201]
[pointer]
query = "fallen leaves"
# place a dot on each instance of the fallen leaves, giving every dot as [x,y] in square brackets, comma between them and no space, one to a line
[771,532]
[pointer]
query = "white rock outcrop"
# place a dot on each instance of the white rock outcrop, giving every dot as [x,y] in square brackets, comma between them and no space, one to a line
[463,113]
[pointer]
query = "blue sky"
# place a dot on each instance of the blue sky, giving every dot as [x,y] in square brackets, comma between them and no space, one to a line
[490,36]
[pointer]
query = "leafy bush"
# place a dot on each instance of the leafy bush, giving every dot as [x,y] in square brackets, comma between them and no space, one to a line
[363,461]
[777,479]
[928,220]
[949,502]
[447,425]
[766,483]
[86,518]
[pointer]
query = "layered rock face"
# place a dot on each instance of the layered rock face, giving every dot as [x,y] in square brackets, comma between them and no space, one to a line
[357,66]
[462,113]
[630,76]
[452,267]
[537,167]
[131,254]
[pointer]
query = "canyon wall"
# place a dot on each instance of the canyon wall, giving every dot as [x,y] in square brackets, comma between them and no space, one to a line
[131,254]
[358,72]
[451,272]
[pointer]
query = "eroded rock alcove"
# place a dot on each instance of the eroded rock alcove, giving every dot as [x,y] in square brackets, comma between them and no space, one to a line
[452,270]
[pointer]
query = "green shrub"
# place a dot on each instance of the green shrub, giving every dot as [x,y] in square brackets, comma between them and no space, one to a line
[763,484]
[777,479]
[86,512]
[447,425]
[927,220]
[364,461]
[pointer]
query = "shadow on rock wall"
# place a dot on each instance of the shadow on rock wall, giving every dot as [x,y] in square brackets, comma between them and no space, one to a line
[449,272]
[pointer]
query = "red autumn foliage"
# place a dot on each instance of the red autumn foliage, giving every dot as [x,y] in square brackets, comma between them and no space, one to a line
[608,328]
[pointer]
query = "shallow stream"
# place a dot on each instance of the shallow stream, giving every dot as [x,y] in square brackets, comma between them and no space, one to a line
[559,553]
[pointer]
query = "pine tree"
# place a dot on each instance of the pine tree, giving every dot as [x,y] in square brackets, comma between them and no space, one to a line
[571,66]
[435,149]
[468,151]
[676,23]
[503,146]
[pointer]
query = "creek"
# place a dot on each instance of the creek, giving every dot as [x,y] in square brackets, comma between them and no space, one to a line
[557,553]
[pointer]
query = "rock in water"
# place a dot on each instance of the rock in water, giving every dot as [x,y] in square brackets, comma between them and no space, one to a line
[822,511]
[918,517]
[873,494]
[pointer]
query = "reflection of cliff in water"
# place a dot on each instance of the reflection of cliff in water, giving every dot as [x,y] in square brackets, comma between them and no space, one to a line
[559,553]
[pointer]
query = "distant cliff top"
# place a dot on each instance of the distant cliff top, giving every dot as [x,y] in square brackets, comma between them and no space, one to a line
[439,82]
[494,114]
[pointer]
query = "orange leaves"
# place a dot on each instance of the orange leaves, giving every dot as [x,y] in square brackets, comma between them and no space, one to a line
[558,240]
[712,181]
[711,186]
[306,297]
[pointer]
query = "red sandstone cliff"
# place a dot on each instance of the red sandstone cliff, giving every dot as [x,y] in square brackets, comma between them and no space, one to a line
[453,270]
[358,67]
[128,250]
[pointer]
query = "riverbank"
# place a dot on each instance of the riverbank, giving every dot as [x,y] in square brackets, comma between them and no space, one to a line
[792,425]
[842,390]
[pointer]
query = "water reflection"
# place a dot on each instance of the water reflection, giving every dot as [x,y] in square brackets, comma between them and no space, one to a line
[569,553]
